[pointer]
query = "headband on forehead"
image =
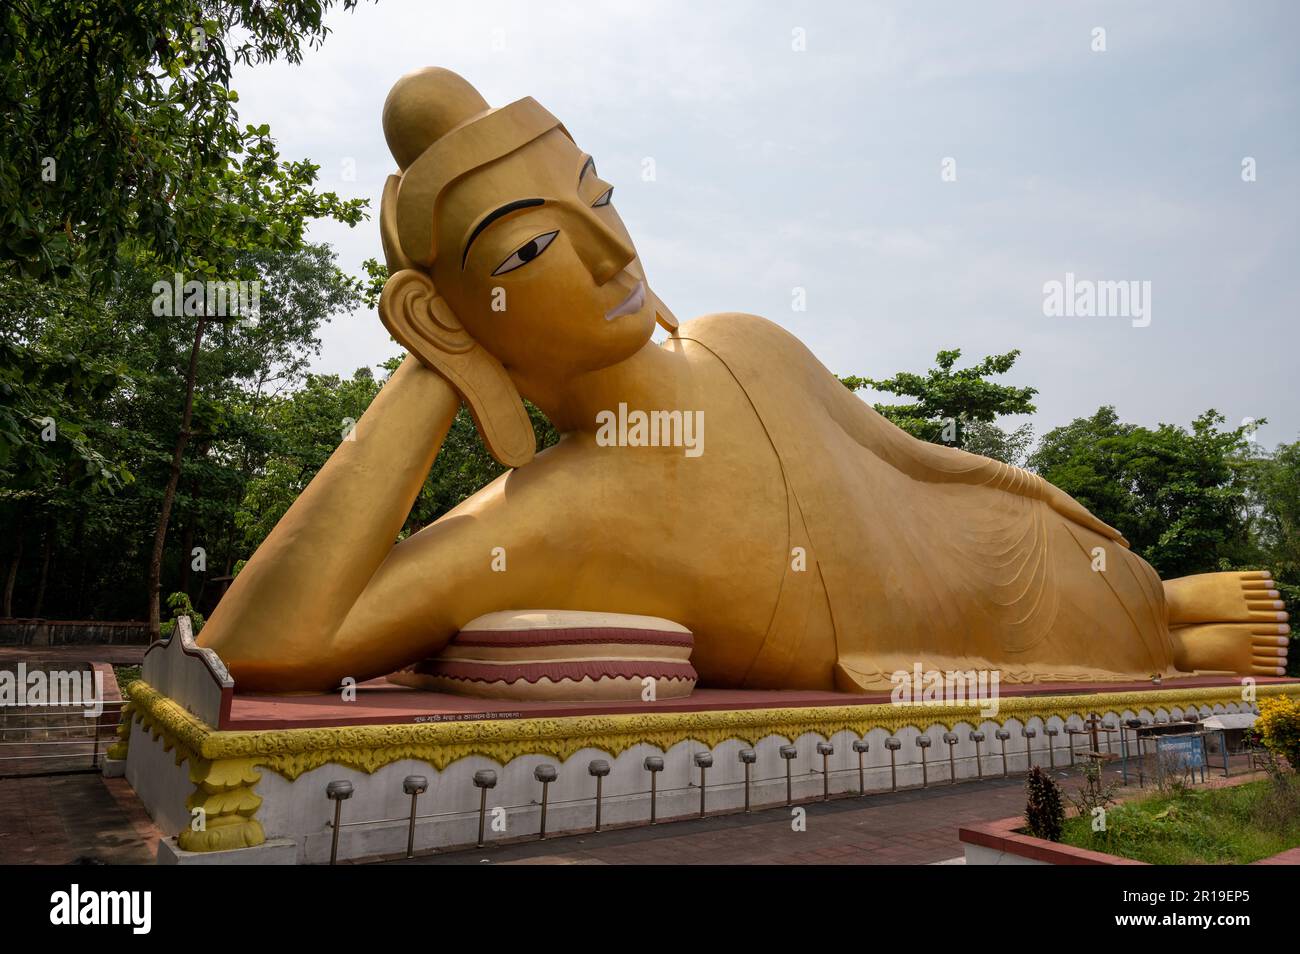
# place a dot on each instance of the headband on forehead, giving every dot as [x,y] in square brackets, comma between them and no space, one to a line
[490,136]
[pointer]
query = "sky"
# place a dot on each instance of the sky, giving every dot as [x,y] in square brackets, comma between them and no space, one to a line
[920,171]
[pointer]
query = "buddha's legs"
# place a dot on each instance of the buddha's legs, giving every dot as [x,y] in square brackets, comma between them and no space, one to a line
[1233,622]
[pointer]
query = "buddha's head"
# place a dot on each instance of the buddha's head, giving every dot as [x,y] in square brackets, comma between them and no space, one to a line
[507,260]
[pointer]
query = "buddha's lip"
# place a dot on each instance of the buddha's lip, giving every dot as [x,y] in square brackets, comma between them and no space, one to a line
[632,303]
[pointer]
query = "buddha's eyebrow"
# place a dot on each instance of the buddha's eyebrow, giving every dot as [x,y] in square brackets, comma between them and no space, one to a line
[589,164]
[492,217]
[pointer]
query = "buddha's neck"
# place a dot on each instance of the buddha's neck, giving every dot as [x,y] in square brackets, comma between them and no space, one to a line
[654,378]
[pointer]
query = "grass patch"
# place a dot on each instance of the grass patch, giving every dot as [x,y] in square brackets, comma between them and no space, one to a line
[1233,825]
[126,674]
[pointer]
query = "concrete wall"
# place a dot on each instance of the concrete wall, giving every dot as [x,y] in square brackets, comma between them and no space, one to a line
[298,809]
[61,632]
[163,786]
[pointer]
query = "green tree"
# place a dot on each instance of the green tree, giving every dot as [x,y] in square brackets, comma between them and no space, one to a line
[310,422]
[116,114]
[947,401]
[990,440]
[99,536]
[1179,495]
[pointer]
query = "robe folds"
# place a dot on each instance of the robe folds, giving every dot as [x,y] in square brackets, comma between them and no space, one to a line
[928,554]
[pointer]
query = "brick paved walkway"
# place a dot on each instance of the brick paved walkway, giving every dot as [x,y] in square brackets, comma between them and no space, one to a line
[62,819]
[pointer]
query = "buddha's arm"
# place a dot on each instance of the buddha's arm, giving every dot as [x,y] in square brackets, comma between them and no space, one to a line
[295,592]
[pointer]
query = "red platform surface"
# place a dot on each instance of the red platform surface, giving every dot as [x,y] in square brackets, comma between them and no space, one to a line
[379,702]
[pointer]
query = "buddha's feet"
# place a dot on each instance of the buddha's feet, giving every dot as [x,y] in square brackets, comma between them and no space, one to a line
[1228,622]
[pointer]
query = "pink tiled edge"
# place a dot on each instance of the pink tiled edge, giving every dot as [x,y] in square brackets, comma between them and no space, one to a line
[1002,836]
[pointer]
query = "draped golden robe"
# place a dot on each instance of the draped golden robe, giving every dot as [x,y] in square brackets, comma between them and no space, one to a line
[924,553]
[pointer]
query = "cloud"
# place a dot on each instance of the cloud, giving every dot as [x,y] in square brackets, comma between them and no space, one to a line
[820,168]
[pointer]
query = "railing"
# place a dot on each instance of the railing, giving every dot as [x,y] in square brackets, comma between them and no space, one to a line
[39,632]
[1132,734]
[83,742]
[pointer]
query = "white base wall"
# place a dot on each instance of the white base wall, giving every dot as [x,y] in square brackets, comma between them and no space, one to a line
[163,786]
[299,811]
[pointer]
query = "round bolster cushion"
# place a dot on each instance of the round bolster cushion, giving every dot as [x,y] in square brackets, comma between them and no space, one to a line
[562,655]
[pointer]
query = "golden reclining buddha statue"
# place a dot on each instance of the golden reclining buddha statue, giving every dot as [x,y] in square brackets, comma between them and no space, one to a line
[807,544]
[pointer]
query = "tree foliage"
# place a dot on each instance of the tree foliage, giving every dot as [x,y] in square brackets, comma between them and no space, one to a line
[1180,495]
[120,123]
[947,401]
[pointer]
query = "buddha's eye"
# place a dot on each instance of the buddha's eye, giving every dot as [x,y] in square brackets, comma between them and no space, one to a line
[604,199]
[526,253]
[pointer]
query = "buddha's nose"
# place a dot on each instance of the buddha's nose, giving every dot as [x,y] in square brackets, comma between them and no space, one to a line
[602,250]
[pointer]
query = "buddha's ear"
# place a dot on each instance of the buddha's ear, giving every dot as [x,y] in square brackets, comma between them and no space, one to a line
[418,317]
[666,319]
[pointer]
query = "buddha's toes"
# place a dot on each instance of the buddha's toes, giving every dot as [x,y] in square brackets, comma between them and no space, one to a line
[1248,649]
[1235,597]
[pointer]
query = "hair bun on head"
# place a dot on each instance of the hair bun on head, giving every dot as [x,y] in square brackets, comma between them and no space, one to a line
[422,107]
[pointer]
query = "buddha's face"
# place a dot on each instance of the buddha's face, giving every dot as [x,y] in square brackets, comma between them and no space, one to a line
[538,266]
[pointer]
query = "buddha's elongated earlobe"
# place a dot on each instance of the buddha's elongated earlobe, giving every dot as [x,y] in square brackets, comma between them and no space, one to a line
[418,317]
[393,254]
[667,320]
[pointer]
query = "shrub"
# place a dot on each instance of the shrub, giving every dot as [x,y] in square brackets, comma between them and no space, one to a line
[1044,810]
[1279,728]
[179,604]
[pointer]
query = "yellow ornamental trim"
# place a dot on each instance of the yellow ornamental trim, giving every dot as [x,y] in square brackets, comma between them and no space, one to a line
[367,748]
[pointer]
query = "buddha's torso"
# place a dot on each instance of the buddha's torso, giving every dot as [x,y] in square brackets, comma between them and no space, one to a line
[812,543]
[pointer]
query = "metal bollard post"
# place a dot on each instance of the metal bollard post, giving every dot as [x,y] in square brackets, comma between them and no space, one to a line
[893,745]
[789,753]
[1002,735]
[826,750]
[338,792]
[861,746]
[413,785]
[598,769]
[546,774]
[1051,732]
[483,780]
[704,760]
[923,743]
[1142,754]
[951,739]
[1029,734]
[978,738]
[1133,724]
[1136,725]
[748,757]
[654,764]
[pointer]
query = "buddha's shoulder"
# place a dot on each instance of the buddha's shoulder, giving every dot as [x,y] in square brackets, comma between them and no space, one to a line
[732,333]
